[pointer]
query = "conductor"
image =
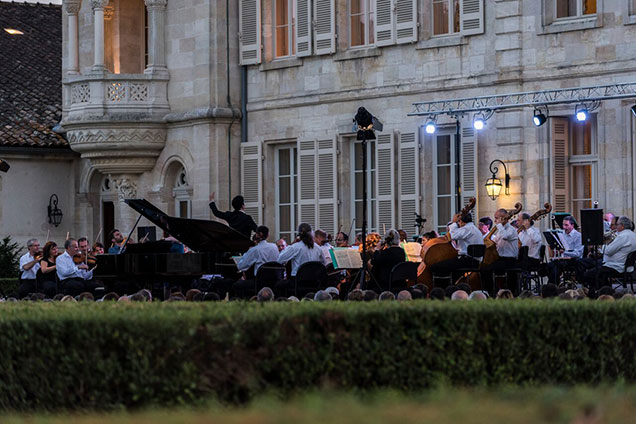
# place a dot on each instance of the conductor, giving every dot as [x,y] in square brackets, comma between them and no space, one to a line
[236,219]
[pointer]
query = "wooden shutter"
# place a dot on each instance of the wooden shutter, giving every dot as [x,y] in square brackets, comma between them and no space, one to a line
[250,31]
[468,174]
[251,180]
[307,182]
[303,28]
[384,23]
[409,181]
[471,17]
[384,181]
[560,156]
[406,21]
[327,185]
[324,26]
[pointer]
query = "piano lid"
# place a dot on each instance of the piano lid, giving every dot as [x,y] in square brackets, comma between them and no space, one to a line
[198,234]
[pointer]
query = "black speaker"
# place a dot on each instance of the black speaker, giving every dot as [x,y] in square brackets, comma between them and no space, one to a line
[592,226]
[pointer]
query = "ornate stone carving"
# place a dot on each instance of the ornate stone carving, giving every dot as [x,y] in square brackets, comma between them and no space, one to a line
[98,4]
[109,13]
[129,136]
[126,186]
[72,7]
[138,92]
[115,92]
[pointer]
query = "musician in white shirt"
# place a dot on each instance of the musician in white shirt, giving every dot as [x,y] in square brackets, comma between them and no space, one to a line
[574,250]
[29,265]
[614,256]
[256,256]
[73,278]
[464,233]
[531,237]
[507,243]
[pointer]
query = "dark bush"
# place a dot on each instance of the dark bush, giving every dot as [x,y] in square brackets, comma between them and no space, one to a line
[91,356]
[9,258]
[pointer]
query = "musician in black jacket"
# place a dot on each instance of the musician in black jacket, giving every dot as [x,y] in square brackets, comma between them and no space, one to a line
[236,219]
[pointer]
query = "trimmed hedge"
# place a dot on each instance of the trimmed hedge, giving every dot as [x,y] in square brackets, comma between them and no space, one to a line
[9,286]
[104,356]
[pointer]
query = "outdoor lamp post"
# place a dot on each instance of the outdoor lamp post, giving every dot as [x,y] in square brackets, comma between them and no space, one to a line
[493,185]
[55,214]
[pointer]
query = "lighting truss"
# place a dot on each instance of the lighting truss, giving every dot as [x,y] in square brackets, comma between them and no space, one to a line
[456,107]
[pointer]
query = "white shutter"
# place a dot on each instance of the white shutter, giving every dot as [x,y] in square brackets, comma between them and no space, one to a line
[307,182]
[406,21]
[384,23]
[468,173]
[324,27]
[384,181]
[303,28]
[560,157]
[250,31]
[327,185]
[471,17]
[251,180]
[409,181]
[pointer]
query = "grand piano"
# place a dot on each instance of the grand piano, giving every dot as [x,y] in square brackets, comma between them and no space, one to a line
[145,264]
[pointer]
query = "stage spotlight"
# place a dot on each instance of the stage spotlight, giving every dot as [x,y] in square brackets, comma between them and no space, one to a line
[634,110]
[580,112]
[539,118]
[430,125]
[478,121]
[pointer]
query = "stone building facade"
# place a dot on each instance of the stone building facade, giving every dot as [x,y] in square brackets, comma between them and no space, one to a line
[173,99]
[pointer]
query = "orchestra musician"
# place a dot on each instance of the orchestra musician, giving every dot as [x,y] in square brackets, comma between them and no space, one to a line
[342,239]
[609,221]
[485,225]
[236,219]
[74,279]
[575,250]
[321,239]
[464,233]
[262,252]
[303,250]
[98,248]
[387,254]
[29,265]
[46,275]
[507,243]
[614,256]
[531,237]
[281,244]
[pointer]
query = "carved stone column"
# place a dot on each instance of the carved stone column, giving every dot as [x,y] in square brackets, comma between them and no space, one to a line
[98,49]
[72,8]
[156,39]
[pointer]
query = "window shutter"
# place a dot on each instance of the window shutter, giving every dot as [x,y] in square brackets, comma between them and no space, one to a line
[384,23]
[471,17]
[250,31]
[560,156]
[384,181]
[303,28]
[324,26]
[251,172]
[327,185]
[469,167]
[406,21]
[409,181]
[307,182]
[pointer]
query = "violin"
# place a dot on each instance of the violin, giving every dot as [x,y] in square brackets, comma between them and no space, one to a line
[82,258]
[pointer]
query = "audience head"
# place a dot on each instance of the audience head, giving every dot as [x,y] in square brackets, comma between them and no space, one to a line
[459,295]
[334,292]
[437,293]
[355,295]
[306,235]
[137,297]
[504,294]
[417,294]
[422,288]
[477,295]
[526,294]
[68,298]
[404,295]
[449,290]
[211,297]
[88,296]
[465,287]
[369,295]
[238,203]
[265,295]
[322,296]
[110,296]
[608,290]
[606,297]
[386,295]
[191,293]
[549,290]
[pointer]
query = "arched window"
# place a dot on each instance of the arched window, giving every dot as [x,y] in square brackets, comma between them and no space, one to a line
[182,193]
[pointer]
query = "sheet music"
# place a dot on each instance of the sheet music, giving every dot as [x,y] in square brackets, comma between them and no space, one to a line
[563,241]
[344,257]
[412,250]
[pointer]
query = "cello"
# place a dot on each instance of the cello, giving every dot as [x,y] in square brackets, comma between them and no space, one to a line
[437,250]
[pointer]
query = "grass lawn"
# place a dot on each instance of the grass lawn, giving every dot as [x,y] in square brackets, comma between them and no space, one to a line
[579,405]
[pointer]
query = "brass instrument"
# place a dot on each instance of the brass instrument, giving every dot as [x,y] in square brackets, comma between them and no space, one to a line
[609,236]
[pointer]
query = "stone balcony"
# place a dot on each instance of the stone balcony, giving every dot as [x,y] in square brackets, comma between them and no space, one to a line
[116,120]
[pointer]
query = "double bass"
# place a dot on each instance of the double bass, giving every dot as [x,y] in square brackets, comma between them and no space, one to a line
[438,250]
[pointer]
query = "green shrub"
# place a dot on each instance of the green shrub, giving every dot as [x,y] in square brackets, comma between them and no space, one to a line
[9,286]
[9,258]
[79,356]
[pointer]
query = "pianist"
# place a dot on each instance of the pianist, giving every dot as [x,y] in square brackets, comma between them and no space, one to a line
[237,219]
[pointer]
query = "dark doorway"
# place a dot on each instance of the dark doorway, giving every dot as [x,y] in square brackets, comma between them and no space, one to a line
[108,216]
